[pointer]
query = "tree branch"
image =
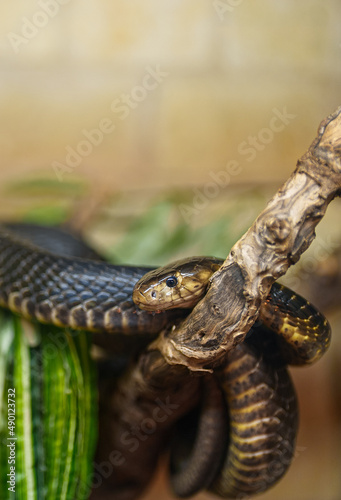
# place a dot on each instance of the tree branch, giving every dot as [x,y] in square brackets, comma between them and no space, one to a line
[275,241]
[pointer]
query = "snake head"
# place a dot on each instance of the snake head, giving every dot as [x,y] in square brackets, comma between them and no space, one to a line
[180,284]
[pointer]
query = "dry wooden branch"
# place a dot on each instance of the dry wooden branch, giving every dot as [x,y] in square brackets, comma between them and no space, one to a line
[276,240]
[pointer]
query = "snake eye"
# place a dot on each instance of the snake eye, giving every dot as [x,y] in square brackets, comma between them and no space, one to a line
[171,282]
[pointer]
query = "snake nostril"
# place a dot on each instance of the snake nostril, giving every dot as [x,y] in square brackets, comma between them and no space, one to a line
[153,294]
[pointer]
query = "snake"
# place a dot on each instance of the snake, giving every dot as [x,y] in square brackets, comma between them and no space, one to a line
[259,419]
[40,280]
[58,282]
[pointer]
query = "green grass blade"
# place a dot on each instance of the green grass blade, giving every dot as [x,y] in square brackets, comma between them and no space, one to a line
[25,473]
[56,410]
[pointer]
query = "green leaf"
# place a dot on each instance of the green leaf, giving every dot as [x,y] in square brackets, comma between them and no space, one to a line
[56,412]
[26,486]
[144,236]
[46,214]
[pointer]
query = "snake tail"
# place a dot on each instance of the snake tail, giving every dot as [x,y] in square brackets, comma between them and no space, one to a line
[204,458]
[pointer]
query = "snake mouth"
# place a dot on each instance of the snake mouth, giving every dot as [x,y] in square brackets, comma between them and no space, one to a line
[140,300]
[150,300]
[148,304]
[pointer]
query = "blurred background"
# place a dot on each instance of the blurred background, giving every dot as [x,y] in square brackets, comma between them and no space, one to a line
[160,130]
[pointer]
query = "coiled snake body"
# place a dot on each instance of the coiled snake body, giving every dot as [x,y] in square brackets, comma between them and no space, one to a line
[40,283]
[261,426]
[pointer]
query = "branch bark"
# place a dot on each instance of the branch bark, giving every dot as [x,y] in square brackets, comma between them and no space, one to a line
[275,241]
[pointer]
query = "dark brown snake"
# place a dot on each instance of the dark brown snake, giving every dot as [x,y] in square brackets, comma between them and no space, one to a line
[261,425]
[38,282]
[52,287]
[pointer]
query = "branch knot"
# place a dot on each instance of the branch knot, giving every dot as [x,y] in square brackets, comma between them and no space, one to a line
[278,229]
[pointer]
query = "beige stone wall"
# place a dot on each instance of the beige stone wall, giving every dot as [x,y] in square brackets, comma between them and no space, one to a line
[178,88]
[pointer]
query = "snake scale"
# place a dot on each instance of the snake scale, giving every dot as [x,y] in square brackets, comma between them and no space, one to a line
[261,423]
[77,292]
[256,426]
[40,280]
